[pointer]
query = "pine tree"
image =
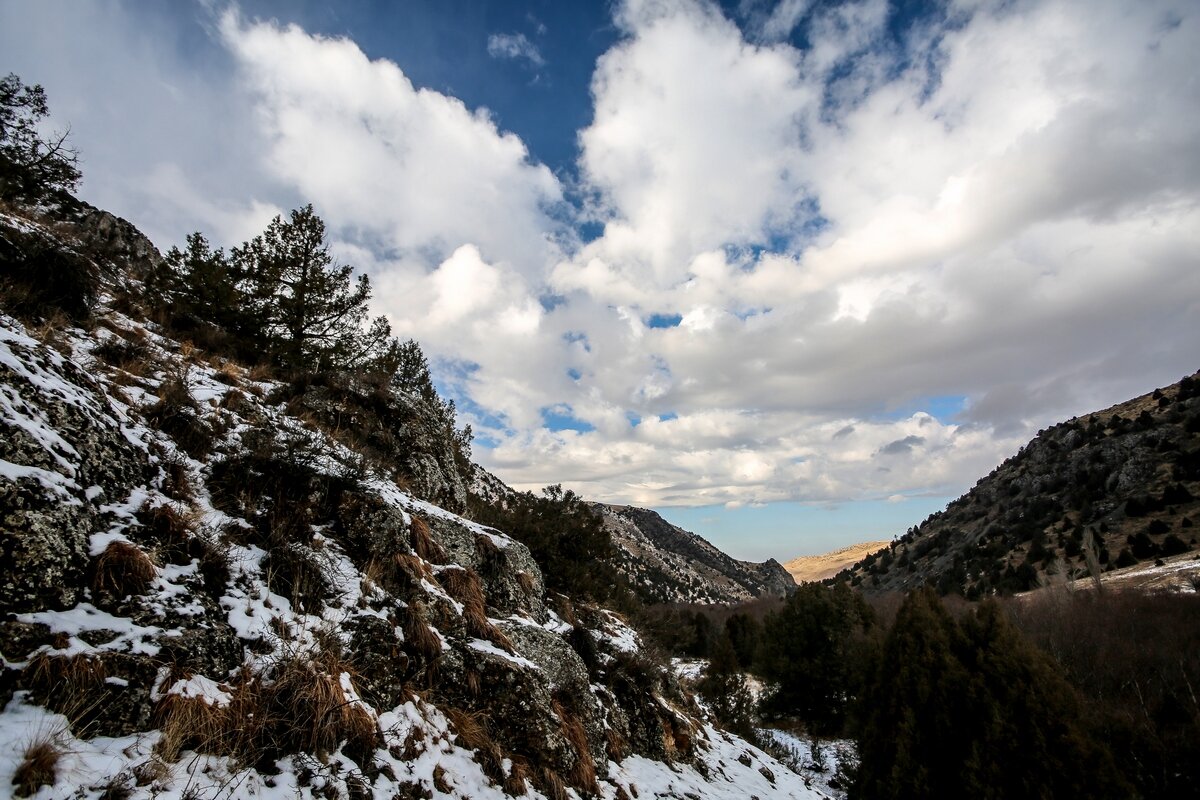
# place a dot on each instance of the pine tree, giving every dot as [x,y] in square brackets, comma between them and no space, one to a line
[31,166]
[811,650]
[199,286]
[724,687]
[972,709]
[308,312]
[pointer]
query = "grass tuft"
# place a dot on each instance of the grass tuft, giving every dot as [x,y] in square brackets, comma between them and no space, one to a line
[123,570]
[464,585]
[39,765]
[423,543]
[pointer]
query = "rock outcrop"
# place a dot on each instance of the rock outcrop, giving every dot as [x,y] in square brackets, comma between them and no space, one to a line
[271,580]
[666,564]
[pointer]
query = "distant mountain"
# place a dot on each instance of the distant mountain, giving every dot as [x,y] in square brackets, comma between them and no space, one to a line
[666,564]
[826,565]
[1116,487]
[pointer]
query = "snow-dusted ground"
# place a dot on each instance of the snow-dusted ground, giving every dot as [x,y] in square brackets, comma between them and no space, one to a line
[817,760]
[419,743]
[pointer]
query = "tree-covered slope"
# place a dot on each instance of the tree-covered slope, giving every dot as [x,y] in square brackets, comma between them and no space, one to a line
[1112,488]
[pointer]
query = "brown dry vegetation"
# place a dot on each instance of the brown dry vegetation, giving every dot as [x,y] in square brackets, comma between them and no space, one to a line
[465,586]
[423,543]
[583,774]
[299,707]
[123,569]
[38,767]
[70,685]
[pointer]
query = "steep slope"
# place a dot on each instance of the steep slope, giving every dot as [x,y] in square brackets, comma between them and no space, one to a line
[666,564]
[826,565]
[221,584]
[1115,487]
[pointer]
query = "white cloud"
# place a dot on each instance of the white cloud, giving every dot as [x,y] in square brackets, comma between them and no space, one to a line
[514,46]
[1005,208]
[404,168]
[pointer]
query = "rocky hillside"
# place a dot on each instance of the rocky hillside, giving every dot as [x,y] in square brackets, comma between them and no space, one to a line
[666,564]
[826,565]
[1096,493]
[223,583]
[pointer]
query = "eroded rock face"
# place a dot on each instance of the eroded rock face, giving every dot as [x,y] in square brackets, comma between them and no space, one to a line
[64,458]
[117,240]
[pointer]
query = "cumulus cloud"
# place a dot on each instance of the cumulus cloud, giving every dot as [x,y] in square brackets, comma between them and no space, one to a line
[1003,206]
[800,246]
[408,169]
[514,46]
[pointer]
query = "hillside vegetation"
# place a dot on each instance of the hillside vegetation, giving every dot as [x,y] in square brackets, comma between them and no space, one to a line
[1107,490]
[239,558]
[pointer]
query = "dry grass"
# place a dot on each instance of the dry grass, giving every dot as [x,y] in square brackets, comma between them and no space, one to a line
[423,543]
[70,685]
[615,745]
[471,728]
[123,570]
[300,707]
[39,765]
[551,785]
[515,783]
[473,682]
[50,327]
[525,580]
[424,642]
[583,774]
[414,567]
[439,780]
[465,586]
[170,527]
[177,482]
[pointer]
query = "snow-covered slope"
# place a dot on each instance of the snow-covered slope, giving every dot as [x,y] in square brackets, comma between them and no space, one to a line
[210,592]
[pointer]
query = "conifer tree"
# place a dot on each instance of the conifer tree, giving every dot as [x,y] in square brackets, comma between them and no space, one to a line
[971,709]
[31,165]
[811,650]
[198,283]
[309,313]
[724,687]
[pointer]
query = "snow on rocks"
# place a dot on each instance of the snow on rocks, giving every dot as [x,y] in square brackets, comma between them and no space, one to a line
[253,574]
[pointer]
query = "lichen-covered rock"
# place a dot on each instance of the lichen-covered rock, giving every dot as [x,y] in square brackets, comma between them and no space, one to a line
[389,427]
[512,579]
[63,457]
[379,660]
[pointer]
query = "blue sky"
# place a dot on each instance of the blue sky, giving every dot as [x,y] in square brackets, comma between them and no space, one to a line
[792,273]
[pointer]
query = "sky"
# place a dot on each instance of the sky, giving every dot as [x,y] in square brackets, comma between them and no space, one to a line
[793,273]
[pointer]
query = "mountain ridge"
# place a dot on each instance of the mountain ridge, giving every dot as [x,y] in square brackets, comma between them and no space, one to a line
[205,557]
[1092,494]
[667,564]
